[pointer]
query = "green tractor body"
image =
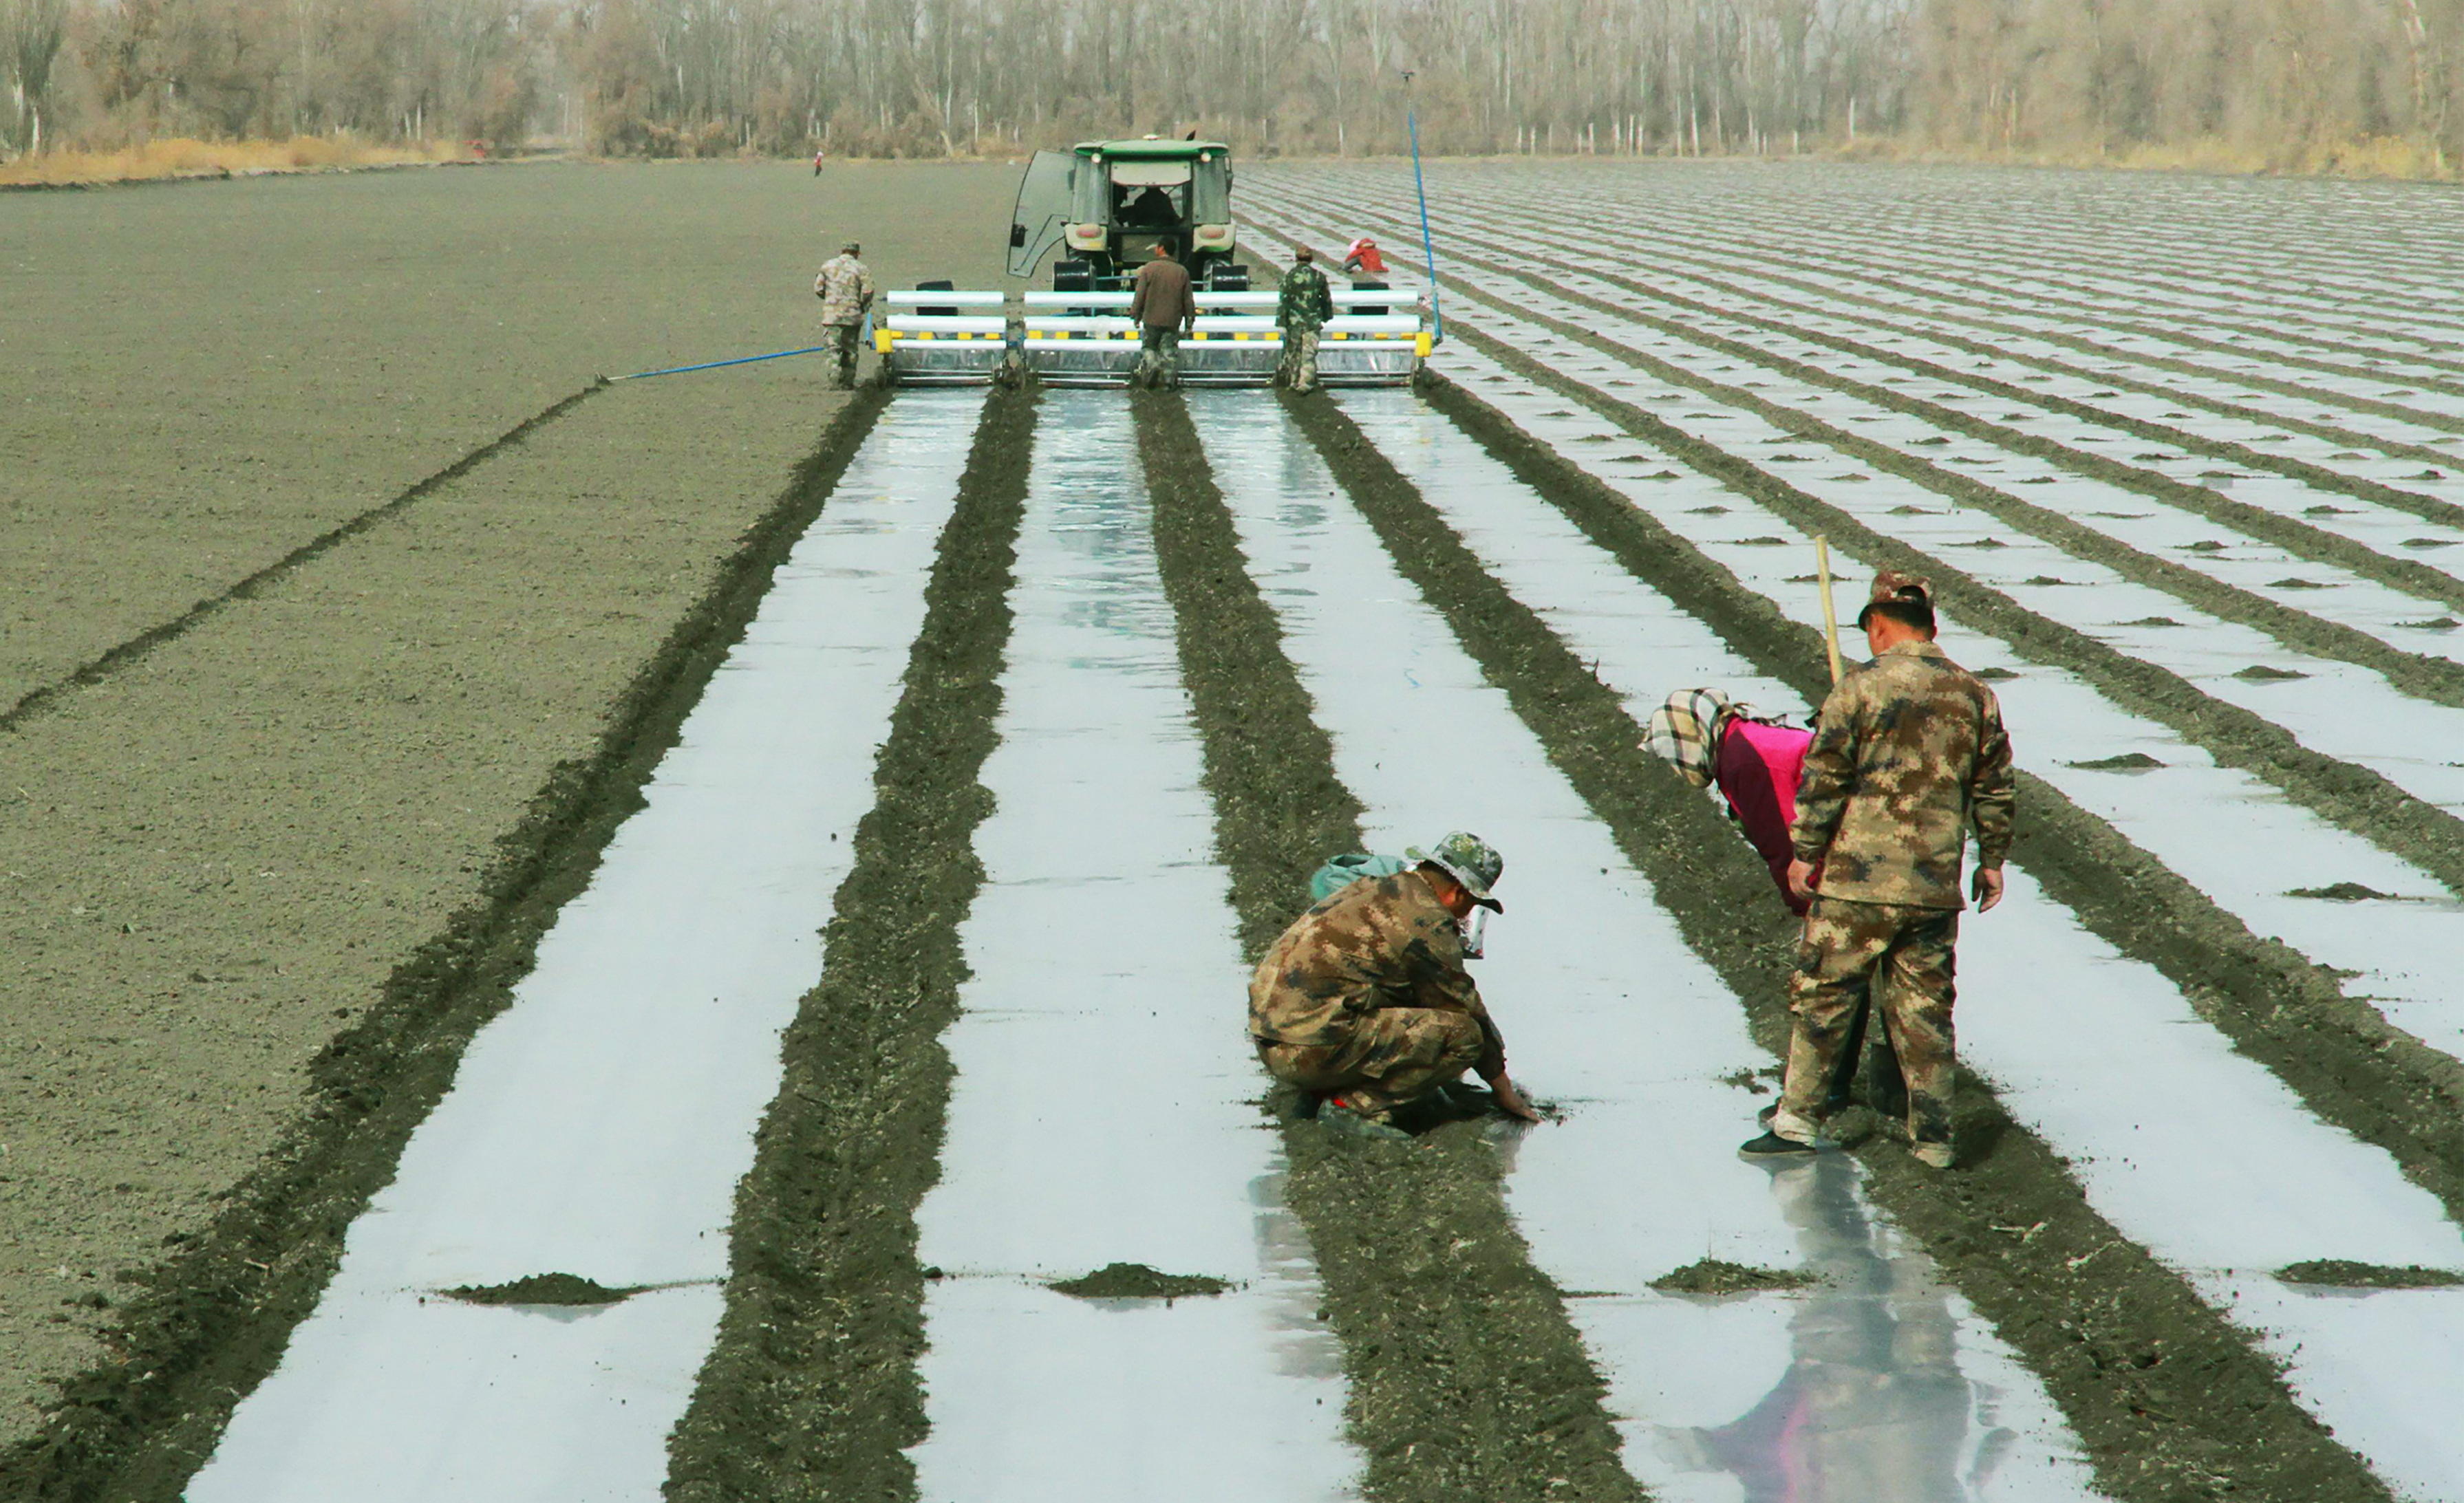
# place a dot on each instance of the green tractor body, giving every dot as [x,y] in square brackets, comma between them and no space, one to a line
[1106,204]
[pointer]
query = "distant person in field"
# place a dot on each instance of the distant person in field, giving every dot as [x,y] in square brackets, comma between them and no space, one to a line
[817,161]
[1908,753]
[844,288]
[1301,311]
[1361,257]
[1163,306]
[1365,1002]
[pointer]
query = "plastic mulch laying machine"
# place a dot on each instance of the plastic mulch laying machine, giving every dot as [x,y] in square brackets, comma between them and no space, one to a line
[1108,204]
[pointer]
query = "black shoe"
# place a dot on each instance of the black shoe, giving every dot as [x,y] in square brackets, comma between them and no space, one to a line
[1771,1146]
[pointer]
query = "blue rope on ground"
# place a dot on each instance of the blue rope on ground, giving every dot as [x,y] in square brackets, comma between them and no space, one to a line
[711,365]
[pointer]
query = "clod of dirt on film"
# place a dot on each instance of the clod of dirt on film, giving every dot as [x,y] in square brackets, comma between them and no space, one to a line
[2344,892]
[2126,762]
[2150,621]
[1708,510]
[2434,623]
[2431,474]
[544,1289]
[2322,509]
[2428,542]
[2205,545]
[2343,1273]
[2294,584]
[2261,672]
[1719,1277]
[1137,1282]
[1997,675]
[2045,580]
[1762,1078]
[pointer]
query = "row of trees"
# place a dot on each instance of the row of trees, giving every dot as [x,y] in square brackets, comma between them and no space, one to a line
[955,77]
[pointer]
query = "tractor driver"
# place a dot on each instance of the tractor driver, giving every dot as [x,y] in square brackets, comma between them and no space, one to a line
[1152,209]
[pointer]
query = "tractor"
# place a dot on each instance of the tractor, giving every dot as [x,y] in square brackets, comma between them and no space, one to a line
[1108,203]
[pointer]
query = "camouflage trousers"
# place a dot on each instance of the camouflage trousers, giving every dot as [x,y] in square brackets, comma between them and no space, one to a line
[1901,957]
[841,345]
[1158,356]
[1394,1054]
[1300,359]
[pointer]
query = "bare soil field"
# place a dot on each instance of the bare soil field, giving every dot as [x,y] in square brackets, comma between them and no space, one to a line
[206,376]
[218,856]
[780,871]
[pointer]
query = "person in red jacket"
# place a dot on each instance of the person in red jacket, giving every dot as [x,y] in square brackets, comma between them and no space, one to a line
[1362,255]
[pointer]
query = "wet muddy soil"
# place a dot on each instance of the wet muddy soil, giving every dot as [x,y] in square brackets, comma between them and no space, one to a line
[2078,1329]
[1468,1382]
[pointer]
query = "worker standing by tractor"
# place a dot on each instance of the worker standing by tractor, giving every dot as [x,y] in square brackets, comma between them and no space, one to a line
[1908,751]
[1365,1002]
[1301,311]
[1162,305]
[844,288]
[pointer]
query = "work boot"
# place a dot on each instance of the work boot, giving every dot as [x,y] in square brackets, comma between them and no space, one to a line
[1345,1120]
[1771,1146]
[1935,1155]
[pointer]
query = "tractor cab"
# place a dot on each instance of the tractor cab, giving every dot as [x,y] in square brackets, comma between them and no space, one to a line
[1107,202]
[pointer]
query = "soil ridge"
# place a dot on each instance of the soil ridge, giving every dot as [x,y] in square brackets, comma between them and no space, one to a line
[1468,1382]
[813,1372]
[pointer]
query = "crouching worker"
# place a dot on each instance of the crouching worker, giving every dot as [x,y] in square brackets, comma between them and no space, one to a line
[1908,753]
[1365,1001]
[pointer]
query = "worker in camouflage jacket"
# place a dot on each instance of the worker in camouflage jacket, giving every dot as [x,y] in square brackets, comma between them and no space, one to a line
[1909,754]
[844,288]
[1365,1001]
[1301,311]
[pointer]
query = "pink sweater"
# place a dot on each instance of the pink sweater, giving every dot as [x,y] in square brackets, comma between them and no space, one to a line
[1758,770]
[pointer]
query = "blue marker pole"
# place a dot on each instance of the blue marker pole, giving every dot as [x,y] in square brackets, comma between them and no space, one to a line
[1428,248]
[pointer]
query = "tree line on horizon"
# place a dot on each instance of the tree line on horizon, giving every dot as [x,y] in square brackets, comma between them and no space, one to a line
[2277,82]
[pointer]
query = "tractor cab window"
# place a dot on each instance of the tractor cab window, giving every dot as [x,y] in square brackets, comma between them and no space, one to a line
[1151,195]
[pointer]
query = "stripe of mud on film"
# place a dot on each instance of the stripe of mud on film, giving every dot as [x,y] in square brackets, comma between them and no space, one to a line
[216,1315]
[811,1389]
[1468,1382]
[2436,679]
[2168,1399]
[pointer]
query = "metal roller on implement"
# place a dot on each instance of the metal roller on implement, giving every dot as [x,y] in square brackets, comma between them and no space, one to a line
[1080,339]
[1373,340]
[1234,341]
[942,338]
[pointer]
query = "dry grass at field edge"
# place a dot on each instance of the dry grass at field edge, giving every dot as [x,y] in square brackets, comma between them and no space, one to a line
[180,157]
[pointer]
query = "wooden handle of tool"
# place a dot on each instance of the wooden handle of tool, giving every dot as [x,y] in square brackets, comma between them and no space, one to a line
[1830,614]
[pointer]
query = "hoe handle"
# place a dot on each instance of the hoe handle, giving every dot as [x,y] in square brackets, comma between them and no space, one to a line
[1830,614]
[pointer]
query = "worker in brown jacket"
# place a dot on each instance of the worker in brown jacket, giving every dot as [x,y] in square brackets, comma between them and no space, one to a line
[1163,306]
[1909,754]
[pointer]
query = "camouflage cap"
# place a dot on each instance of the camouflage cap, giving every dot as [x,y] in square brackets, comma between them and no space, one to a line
[1469,860]
[849,248]
[1891,587]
